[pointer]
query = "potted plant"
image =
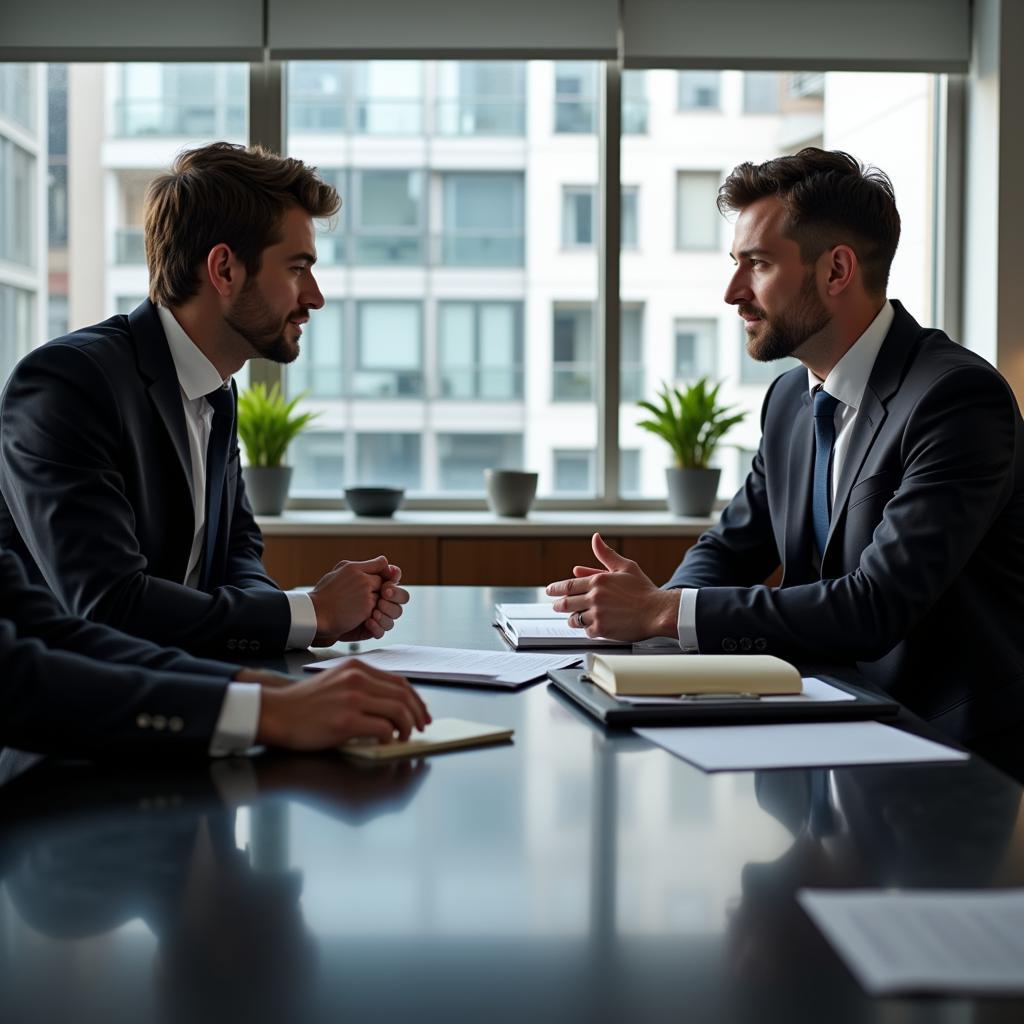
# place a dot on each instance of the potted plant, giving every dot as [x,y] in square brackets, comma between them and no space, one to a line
[693,423]
[267,424]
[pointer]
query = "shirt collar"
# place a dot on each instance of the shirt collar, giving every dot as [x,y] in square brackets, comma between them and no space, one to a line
[196,374]
[848,379]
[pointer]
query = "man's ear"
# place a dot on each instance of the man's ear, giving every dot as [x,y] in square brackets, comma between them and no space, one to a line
[841,269]
[224,270]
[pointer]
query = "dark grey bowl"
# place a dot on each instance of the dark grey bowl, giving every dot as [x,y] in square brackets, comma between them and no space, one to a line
[374,501]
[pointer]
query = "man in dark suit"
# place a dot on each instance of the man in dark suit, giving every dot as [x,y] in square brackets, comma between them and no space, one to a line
[120,479]
[889,482]
[75,687]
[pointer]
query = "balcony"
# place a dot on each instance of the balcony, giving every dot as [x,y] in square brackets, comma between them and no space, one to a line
[129,247]
[316,114]
[492,115]
[482,248]
[572,382]
[492,383]
[145,118]
[575,117]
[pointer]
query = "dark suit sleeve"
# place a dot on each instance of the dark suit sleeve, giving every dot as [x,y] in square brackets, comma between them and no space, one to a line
[61,435]
[957,454]
[740,549]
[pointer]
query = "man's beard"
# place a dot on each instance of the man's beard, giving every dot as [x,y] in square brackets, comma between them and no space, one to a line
[783,334]
[250,317]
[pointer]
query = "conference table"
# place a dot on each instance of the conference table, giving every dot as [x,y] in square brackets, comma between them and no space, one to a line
[573,874]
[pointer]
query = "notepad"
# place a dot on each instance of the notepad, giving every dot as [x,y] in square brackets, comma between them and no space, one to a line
[537,610]
[441,734]
[532,628]
[675,674]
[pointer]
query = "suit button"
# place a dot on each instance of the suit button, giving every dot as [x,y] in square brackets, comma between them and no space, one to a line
[175,723]
[232,644]
[143,721]
[243,645]
[159,722]
[760,644]
[746,644]
[728,645]
[254,645]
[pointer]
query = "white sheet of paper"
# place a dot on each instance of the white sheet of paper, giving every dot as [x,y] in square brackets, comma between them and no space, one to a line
[720,748]
[452,664]
[920,940]
[540,610]
[815,690]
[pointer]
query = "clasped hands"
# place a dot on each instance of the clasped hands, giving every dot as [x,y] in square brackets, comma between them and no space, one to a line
[618,601]
[357,601]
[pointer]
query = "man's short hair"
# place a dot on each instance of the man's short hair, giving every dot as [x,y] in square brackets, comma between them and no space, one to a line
[223,193]
[830,199]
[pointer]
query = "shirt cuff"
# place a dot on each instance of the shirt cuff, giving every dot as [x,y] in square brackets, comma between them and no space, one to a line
[688,620]
[238,720]
[303,628]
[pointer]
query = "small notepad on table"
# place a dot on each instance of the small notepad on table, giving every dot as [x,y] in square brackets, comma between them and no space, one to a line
[441,734]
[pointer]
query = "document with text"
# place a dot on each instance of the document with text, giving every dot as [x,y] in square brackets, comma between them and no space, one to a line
[925,941]
[455,665]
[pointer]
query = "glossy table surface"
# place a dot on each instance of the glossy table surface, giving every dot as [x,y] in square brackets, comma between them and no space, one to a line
[571,875]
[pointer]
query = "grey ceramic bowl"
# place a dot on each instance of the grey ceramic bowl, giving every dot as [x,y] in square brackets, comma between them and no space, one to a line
[374,501]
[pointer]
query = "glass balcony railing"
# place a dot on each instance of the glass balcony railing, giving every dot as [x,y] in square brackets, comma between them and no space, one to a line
[383,250]
[493,115]
[134,118]
[387,384]
[492,383]
[479,249]
[316,114]
[389,116]
[129,246]
[575,117]
[572,382]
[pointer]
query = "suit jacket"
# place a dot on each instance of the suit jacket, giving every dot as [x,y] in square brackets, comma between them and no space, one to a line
[96,495]
[922,579]
[75,687]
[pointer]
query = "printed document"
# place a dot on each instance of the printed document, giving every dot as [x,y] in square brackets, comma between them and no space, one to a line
[719,748]
[924,940]
[454,665]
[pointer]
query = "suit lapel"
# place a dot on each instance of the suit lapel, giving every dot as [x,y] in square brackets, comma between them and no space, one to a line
[796,560]
[157,366]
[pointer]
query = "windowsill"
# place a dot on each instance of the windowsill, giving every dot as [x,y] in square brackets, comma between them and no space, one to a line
[449,523]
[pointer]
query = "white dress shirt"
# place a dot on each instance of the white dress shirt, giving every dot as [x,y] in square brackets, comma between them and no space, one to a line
[847,381]
[197,377]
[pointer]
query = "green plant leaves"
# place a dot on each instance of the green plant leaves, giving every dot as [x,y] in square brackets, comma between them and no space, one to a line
[267,424]
[690,421]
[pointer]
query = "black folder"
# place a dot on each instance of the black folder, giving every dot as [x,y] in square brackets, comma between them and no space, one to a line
[618,714]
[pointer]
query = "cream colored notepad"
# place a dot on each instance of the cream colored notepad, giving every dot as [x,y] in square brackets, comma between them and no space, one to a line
[441,734]
[674,674]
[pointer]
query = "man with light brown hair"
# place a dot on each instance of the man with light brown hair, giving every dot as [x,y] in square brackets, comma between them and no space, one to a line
[120,479]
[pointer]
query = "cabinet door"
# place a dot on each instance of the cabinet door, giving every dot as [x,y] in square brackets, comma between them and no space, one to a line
[301,561]
[513,561]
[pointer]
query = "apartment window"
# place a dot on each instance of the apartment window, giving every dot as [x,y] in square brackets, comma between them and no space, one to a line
[318,458]
[17,309]
[758,373]
[332,234]
[389,351]
[17,93]
[579,216]
[481,98]
[573,471]
[129,243]
[189,100]
[389,97]
[698,223]
[317,96]
[387,225]
[388,460]
[573,349]
[698,90]
[17,201]
[634,103]
[631,335]
[629,471]
[576,97]
[480,349]
[462,458]
[483,220]
[318,372]
[761,92]
[696,349]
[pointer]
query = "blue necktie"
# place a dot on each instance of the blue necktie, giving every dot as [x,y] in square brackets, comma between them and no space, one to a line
[223,403]
[824,439]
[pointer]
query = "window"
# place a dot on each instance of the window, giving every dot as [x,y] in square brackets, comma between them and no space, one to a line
[481,350]
[16,316]
[319,371]
[576,97]
[190,100]
[332,235]
[388,222]
[574,471]
[318,458]
[389,97]
[17,94]
[389,359]
[634,103]
[761,91]
[631,336]
[698,90]
[464,457]
[698,224]
[483,220]
[387,460]
[630,216]
[573,348]
[754,372]
[317,96]
[481,98]
[696,349]
[579,212]
[17,199]
[629,471]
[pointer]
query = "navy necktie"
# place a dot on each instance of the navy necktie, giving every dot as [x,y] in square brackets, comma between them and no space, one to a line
[223,404]
[824,440]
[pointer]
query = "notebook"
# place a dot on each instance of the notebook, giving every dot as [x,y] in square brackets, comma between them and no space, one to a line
[441,734]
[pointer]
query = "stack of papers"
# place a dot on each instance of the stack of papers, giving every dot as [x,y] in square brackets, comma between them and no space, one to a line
[531,626]
[454,665]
